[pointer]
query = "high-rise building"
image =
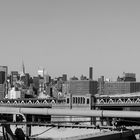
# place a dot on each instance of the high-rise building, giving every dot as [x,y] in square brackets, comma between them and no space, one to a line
[41,73]
[90,73]
[23,67]
[27,80]
[125,84]
[64,77]
[36,83]
[129,77]
[22,73]
[101,85]
[41,84]
[47,79]
[121,87]
[83,87]
[14,77]
[3,81]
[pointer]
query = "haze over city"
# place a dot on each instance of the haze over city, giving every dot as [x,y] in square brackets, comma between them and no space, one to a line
[70,36]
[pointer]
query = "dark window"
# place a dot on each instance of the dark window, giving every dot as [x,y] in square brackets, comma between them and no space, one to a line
[83,100]
[78,100]
[68,100]
[87,100]
[51,92]
[73,100]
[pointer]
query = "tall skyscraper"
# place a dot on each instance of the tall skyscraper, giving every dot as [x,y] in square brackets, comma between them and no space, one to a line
[90,73]
[27,80]
[3,81]
[22,74]
[23,67]
[36,83]
[14,77]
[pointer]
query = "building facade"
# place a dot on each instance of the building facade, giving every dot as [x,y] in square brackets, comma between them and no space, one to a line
[121,87]
[82,87]
[14,77]
[3,81]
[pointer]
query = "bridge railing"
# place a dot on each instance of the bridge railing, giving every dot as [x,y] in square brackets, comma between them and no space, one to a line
[118,100]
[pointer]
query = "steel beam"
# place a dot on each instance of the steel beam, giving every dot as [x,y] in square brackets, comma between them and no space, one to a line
[72,112]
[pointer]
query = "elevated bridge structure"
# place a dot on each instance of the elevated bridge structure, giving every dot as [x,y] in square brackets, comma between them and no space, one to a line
[70,102]
[116,133]
[120,100]
[34,103]
[111,133]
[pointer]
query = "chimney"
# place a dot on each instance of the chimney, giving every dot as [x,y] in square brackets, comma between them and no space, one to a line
[90,73]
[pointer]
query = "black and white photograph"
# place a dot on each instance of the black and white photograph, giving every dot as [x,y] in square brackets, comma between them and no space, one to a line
[69,70]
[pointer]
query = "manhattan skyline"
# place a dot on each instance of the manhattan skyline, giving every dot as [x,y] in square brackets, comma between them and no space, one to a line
[71,36]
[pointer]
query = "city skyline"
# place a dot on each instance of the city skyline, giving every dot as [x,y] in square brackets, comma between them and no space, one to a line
[71,36]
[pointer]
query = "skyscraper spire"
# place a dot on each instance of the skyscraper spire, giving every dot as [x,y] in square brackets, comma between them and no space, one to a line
[23,67]
[22,70]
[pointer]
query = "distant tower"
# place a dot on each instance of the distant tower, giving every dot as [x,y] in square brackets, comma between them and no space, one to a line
[22,74]
[41,73]
[64,77]
[90,73]
[23,67]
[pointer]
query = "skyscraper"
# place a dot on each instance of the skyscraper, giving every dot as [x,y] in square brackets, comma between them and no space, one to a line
[14,77]
[90,73]
[22,74]
[83,87]
[3,81]
[64,77]
[23,67]
[41,73]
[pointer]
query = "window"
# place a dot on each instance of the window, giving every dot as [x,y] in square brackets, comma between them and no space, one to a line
[73,100]
[83,100]
[68,100]
[78,100]
[87,100]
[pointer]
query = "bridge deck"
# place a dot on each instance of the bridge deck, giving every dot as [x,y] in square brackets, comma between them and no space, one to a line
[64,133]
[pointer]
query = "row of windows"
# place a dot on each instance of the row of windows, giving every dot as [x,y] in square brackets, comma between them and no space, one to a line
[78,100]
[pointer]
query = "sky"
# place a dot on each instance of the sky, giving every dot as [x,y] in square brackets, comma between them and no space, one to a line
[69,36]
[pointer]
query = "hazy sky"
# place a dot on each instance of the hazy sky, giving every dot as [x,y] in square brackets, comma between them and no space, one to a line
[69,36]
